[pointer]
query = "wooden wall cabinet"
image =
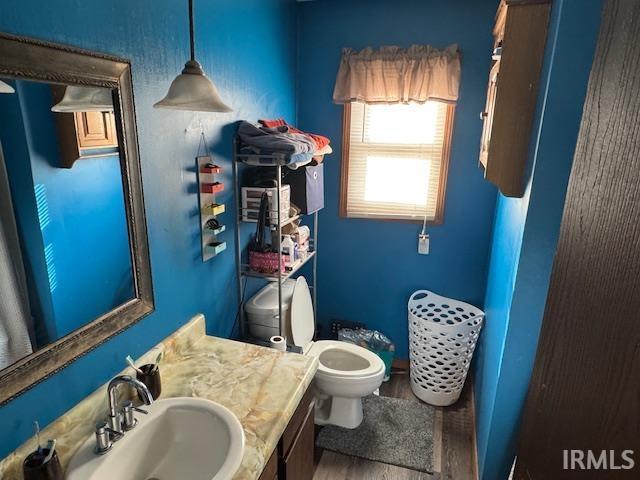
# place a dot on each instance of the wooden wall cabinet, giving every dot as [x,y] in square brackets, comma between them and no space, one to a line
[95,129]
[520,35]
[83,134]
[293,458]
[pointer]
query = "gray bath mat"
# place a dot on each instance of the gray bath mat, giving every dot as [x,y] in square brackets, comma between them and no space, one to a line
[395,431]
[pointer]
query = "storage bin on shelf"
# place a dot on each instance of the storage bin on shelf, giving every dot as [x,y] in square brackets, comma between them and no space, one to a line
[267,263]
[251,203]
[442,337]
[307,187]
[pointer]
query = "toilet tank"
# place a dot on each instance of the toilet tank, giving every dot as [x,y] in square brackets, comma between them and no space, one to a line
[262,310]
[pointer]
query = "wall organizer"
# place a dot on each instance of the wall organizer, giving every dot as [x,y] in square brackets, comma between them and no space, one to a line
[208,188]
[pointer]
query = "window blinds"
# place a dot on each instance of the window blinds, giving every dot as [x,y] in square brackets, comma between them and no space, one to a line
[395,160]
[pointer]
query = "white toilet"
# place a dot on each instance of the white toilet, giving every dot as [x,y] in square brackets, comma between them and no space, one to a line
[346,372]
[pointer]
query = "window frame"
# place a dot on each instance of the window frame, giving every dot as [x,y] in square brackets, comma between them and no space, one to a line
[442,182]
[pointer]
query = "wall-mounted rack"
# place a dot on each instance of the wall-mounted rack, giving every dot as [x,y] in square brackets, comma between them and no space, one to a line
[208,187]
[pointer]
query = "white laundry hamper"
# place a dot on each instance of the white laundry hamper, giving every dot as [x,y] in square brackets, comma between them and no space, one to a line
[442,337]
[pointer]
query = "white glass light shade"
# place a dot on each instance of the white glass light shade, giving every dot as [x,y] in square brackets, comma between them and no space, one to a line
[193,91]
[84,99]
[6,88]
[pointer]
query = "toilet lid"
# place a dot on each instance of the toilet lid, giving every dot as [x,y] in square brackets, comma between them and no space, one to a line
[302,320]
[265,302]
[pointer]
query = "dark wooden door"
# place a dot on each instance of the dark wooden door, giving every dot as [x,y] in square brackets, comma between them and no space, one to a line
[585,389]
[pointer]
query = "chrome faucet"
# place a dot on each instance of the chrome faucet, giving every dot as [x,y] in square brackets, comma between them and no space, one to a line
[114,428]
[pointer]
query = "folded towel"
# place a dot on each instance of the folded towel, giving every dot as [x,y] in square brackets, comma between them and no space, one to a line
[277,139]
[319,140]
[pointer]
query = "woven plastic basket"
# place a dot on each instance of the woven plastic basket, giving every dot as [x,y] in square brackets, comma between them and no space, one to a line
[442,337]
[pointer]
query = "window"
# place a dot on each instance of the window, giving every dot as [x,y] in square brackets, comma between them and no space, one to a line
[394,162]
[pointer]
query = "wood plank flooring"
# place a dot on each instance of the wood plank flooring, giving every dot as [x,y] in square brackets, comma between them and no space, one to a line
[454,447]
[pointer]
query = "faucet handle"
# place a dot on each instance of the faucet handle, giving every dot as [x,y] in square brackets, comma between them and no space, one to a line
[115,426]
[103,437]
[128,417]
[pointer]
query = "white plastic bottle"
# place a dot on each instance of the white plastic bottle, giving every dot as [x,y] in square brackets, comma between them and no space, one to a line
[288,250]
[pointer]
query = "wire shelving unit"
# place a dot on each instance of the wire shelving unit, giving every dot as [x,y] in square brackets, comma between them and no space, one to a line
[277,162]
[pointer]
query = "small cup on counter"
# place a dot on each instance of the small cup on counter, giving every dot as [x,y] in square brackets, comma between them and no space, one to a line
[150,376]
[39,465]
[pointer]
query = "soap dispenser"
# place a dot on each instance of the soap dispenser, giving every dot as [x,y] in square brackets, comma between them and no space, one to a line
[288,251]
[43,463]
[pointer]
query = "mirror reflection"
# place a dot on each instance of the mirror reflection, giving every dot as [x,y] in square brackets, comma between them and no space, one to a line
[64,244]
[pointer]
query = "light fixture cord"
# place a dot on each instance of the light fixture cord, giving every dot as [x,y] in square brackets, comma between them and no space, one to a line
[191,31]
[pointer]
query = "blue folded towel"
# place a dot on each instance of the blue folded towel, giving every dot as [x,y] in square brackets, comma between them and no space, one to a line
[275,140]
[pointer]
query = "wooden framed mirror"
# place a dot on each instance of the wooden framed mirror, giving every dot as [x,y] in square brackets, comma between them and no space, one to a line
[72,223]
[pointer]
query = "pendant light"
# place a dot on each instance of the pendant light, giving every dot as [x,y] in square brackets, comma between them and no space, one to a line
[84,99]
[192,90]
[6,88]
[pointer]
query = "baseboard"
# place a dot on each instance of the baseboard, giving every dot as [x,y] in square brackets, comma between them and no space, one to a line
[400,364]
[475,433]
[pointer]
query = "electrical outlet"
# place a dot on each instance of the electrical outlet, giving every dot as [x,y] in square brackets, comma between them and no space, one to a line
[423,244]
[338,324]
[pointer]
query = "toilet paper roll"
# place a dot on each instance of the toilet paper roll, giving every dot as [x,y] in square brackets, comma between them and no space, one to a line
[278,343]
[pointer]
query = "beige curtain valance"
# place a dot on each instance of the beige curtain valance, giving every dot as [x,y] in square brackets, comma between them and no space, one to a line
[398,75]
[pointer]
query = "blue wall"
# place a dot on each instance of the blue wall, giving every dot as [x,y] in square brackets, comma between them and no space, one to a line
[253,64]
[368,269]
[525,236]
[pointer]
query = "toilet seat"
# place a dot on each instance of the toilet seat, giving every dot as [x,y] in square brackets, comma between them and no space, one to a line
[345,360]
[346,373]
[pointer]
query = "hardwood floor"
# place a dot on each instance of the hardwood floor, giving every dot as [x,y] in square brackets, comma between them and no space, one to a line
[454,447]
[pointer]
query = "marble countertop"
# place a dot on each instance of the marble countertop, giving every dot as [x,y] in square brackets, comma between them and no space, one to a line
[261,386]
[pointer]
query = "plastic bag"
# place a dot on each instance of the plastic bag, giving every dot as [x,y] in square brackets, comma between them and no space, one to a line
[370,339]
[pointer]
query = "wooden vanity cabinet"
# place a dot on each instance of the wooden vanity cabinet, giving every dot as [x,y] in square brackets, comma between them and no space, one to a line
[293,457]
[520,35]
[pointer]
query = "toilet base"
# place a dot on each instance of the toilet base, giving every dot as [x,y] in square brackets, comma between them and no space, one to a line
[339,411]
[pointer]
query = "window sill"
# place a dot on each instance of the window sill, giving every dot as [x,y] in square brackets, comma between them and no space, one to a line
[415,220]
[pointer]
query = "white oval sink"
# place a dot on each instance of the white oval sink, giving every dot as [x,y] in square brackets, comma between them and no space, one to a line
[180,438]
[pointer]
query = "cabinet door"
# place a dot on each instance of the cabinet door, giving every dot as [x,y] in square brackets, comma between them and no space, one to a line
[270,471]
[521,32]
[296,423]
[298,463]
[487,114]
[95,129]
